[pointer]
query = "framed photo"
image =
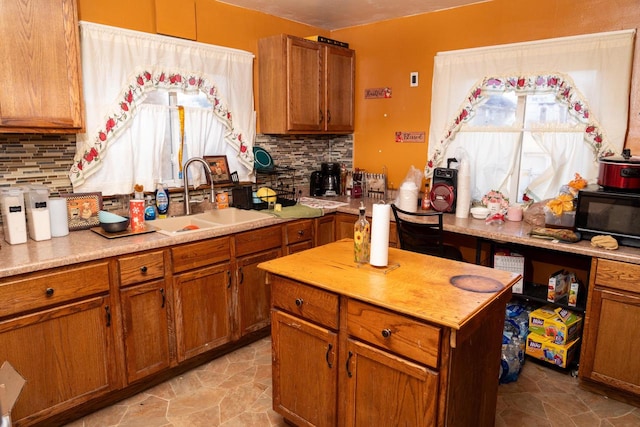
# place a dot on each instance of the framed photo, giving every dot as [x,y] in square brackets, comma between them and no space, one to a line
[82,210]
[219,169]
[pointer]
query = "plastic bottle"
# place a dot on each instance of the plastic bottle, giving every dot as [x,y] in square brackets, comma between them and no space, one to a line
[361,237]
[149,209]
[162,201]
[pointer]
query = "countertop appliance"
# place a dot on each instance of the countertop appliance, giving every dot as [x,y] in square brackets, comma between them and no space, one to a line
[330,179]
[604,212]
[315,184]
[620,172]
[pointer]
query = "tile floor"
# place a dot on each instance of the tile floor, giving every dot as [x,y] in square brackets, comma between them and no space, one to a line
[235,391]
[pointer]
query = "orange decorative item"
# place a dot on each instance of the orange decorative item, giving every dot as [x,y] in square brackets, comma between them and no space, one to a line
[136,215]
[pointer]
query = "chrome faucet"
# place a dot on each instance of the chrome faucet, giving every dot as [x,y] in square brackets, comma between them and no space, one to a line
[185,181]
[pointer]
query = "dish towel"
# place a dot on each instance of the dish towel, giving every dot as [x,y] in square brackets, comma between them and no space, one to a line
[297,211]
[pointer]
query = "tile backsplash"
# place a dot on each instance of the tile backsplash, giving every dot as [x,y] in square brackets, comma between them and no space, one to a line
[46,159]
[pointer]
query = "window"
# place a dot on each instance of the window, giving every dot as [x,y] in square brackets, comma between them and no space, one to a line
[133,83]
[526,129]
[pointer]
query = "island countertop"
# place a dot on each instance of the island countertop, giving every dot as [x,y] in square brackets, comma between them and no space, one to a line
[413,284]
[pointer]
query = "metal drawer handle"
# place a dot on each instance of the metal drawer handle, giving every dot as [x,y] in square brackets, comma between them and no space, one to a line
[386,333]
[299,302]
[49,292]
[301,232]
[143,269]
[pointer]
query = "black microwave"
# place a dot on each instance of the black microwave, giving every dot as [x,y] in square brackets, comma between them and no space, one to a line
[608,212]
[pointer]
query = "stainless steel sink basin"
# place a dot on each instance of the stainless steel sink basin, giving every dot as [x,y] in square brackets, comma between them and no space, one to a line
[206,220]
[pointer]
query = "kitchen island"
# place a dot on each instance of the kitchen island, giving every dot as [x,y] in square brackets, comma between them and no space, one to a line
[414,343]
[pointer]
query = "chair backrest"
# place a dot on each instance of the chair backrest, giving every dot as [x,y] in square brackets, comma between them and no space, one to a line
[420,231]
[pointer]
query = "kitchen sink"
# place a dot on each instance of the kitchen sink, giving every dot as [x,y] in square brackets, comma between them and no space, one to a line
[206,220]
[232,216]
[182,224]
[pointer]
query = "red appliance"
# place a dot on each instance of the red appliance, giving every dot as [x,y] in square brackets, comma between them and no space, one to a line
[620,172]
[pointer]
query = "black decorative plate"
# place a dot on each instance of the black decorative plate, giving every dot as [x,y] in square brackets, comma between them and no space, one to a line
[262,159]
[473,283]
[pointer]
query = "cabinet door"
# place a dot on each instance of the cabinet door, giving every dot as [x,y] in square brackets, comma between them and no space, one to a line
[340,77]
[65,354]
[202,307]
[409,397]
[611,339]
[304,382]
[40,74]
[305,85]
[325,230]
[254,295]
[146,331]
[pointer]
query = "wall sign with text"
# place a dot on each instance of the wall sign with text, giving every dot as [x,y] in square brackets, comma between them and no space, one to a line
[377,93]
[410,136]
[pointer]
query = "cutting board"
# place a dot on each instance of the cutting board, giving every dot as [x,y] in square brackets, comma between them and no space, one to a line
[126,233]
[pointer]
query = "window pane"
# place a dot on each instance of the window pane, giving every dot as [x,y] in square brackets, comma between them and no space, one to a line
[545,109]
[498,110]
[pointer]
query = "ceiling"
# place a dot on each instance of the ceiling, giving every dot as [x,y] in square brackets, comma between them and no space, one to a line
[336,14]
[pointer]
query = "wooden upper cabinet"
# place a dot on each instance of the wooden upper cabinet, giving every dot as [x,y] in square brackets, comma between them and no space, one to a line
[305,86]
[41,84]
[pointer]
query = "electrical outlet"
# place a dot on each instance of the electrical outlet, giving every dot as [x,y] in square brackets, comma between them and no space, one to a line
[413,82]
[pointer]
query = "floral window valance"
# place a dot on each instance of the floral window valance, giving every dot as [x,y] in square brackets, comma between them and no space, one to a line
[124,142]
[125,108]
[561,85]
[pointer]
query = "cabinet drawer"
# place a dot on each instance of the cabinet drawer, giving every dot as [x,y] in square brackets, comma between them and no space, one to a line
[52,287]
[200,254]
[258,240]
[618,275]
[140,268]
[299,231]
[395,332]
[305,301]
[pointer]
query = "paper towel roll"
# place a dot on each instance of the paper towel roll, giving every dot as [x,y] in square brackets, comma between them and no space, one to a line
[58,217]
[380,235]
[463,190]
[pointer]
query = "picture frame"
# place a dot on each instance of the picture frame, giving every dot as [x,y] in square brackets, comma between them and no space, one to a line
[219,169]
[82,210]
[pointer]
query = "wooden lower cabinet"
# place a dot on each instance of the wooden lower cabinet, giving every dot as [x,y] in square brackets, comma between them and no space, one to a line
[305,382]
[410,400]
[203,310]
[611,337]
[145,329]
[324,230]
[253,293]
[64,353]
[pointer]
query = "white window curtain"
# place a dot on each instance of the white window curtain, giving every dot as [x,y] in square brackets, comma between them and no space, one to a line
[598,67]
[204,135]
[120,67]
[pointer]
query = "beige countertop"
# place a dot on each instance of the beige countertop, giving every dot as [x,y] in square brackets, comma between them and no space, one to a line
[85,245]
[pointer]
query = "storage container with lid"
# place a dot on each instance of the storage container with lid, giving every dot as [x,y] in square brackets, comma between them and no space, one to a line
[14,222]
[36,199]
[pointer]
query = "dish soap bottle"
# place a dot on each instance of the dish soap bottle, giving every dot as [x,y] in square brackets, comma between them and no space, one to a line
[361,237]
[149,209]
[162,201]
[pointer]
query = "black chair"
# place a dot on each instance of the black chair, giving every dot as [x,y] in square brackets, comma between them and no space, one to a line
[422,232]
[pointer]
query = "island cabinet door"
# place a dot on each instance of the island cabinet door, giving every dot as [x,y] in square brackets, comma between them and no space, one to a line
[305,371]
[387,390]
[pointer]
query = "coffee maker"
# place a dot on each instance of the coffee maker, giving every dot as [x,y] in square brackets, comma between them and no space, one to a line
[330,179]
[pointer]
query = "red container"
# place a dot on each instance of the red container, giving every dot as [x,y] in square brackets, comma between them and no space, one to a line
[620,172]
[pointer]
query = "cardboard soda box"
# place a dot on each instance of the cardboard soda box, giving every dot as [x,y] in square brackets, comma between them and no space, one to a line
[559,324]
[543,348]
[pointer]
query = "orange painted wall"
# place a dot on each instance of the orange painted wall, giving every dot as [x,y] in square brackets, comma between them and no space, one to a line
[388,51]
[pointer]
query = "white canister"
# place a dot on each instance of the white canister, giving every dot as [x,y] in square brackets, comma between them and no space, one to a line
[36,199]
[408,198]
[58,217]
[14,221]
